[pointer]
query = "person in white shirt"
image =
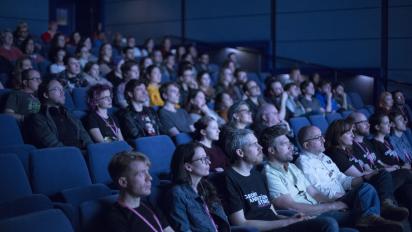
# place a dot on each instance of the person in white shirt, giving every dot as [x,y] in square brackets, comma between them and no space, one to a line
[332,184]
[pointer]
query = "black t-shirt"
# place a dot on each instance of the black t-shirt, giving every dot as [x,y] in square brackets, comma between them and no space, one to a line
[107,127]
[121,219]
[344,159]
[386,153]
[249,193]
[366,152]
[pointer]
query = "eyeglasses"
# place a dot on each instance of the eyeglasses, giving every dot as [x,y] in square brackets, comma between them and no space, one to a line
[244,110]
[204,160]
[34,79]
[56,89]
[361,122]
[315,138]
[106,98]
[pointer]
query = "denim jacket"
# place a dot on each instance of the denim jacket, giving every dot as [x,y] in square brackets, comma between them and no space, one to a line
[187,211]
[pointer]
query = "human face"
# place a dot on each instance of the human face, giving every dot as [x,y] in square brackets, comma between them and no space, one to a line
[26,64]
[242,77]
[104,100]
[138,180]
[200,164]
[310,89]
[61,41]
[271,116]
[346,139]
[326,88]
[8,39]
[55,93]
[147,62]
[129,54]
[283,149]
[252,152]
[173,94]
[76,37]
[361,125]
[157,57]
[88,43]
[155,76]
[199,100]
[244,115]
[388,101]
[253,89]
[227,76]
[294,91]
[227,100]
[94,70]
[315,143]
[133,73]
[399,123]
[60,55]
[385,126]
[140,94]
[187,76]
[73,66]
[33,81]
[204,59]
[339,90]
[205,80]
[171,60]
[399,98]
[212,131]
[276,88]
[29,47]
[131,42]
[107,50]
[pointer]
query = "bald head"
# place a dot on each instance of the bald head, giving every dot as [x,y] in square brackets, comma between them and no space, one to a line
[310,139]
[355,117]
[305,133]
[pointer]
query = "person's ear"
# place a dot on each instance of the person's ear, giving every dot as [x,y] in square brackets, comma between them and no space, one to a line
[240,153]
[188,167]
[203,132]
[122,182]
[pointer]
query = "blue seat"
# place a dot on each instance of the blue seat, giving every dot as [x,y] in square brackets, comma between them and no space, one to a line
[160,150]
[10,131]
[99,156]
[69,104]
[93,213]
[56,169]
[4,94]
[22,151]
[297,123]
[370,108]
[319,121]
[182,138]
[332,117]
[346,113]
[49,220]
[80,98]
[356,100]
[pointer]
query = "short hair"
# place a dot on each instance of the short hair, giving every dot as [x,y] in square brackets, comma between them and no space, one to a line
[268,136]
[305,84]
[303,134]
[201,124]
[125,49]
[236,139]
[394,114]
[238,71]
[184,68]
[119,164]
[25,74]
[335,130]
[89,66]
[245,88]
[93,94]
[163,88]
[325,82]
[130,86]
[67,59]
[234,109]
[375,119]
[337,84]
[289,86]
[200,75]
[149,70]
[127,66]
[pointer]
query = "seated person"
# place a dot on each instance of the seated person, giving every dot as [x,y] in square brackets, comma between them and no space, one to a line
[187,82]
[197,107]
[223,102]
[207,132]
[398,137]
[268,116]
[225,83]
[240,79]
[341,97]
[129,71]
[102,126]
[54,126]
[194,205]
[204,83]
[130,172]
[253,96]
[385,103]
[308,100]
[293,105]
[288,187]
[400,105]
[333,185]
[325,97]
[154,79]
[275,95]
[246,196]
[57,57]
[92,75]
[339,147]
[174,120]
[23,102]
[138,120]
[72,78]
[7,50]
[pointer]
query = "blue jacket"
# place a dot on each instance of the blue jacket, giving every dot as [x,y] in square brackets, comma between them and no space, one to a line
[187,212]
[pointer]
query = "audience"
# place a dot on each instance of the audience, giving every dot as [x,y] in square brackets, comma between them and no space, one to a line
[154,79]
[7,50]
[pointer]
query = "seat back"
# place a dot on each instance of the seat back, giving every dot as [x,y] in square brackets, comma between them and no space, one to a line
[22,151]
[332,117]
[10,131]
[182,138]
[356,100]
[346,113]
[159,149]
[320,122]
[13,180]
[52,220]
[99,156]
[55,169]
[80,98]
[297,123]
[93,213]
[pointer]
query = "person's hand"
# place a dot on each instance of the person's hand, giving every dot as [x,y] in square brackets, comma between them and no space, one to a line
[339,205]
[284,96]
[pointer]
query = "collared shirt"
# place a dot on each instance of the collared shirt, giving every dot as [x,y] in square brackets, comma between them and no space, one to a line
[324,175]
[402,146]
[290,181]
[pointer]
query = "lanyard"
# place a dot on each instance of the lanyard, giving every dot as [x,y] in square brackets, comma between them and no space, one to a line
[210,217]
[113,127]
[367,152]
[144,219]
[388,146]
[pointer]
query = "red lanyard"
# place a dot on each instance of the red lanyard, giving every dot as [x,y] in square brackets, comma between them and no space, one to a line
[387,145]
[368,154]
[113,127]
[144,219]
[210,217]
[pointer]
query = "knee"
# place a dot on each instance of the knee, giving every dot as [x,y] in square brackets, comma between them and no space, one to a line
[328,224]
[366,188]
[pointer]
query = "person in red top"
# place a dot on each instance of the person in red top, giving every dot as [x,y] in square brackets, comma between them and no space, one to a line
[49,34]
[7,50]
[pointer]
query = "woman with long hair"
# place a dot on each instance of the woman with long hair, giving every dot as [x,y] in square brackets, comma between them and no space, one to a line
[194,203]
